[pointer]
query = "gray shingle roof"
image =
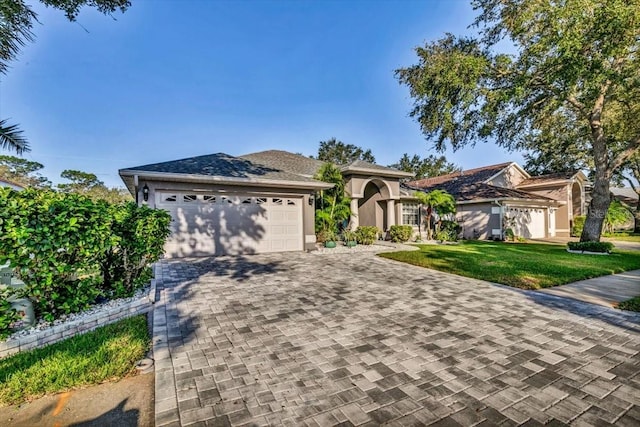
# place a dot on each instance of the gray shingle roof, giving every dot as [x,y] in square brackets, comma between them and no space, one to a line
[283,160]
[223,166]
[372,167]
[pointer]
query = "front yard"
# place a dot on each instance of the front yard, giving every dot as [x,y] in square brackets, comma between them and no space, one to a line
[521,265]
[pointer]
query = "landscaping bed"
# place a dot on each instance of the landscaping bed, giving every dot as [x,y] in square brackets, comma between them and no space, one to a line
[525,266]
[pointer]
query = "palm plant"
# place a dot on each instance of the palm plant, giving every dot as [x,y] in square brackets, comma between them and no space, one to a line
[332,206]
[438,201]
[11,138]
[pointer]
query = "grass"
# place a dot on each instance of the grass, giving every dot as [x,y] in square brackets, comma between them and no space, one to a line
[623,236]
[105,354]
[521,265]
[632,304]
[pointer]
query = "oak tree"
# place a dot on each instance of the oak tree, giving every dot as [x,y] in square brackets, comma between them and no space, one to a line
[538,72]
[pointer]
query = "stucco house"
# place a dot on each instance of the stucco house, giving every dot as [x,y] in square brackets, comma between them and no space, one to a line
[264,202]
[492,198]
[256,203]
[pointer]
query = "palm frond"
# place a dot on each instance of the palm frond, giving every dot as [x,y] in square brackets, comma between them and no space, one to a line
[11,138]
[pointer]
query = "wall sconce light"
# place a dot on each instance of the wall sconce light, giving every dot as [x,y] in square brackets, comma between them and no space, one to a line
[311,200]
[145,193]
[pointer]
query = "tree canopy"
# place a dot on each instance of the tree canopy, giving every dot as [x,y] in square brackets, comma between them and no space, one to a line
[88,184]
[339,153]
[428,167]
[574,78]
[22,171]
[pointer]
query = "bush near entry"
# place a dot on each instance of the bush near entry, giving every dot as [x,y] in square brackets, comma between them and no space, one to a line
[400,233]
[366,235]
[70,250]
[603,247]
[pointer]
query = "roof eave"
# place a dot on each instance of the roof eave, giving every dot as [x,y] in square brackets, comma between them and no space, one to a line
[380,172]
[157,176]
[510,199]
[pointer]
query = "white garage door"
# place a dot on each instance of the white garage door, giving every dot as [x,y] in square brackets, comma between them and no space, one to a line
[231,224]
[529,222]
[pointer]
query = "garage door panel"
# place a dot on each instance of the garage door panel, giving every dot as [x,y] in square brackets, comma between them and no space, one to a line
[206,224]
[528,222]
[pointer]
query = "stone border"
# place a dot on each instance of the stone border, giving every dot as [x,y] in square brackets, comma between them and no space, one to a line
[572,251]
[78,326]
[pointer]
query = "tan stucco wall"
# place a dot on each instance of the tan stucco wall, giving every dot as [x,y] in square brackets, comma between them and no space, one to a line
[477,217]
[308,212]
[372,208]
[355,184]
[564,212]
[509,178]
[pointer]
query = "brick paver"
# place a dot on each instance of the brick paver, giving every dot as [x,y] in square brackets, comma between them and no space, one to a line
[303,339]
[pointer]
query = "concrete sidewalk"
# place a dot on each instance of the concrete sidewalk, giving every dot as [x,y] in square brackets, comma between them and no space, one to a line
[605,290]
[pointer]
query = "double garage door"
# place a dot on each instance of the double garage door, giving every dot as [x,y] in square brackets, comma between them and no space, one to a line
[230,224]
[529,222]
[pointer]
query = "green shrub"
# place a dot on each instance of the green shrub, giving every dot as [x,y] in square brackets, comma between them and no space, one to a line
[604,247]
[325,236]
[400,233]
[632,304]
[366,235]
[578,225]
[54,240]
[449,231]
[69,249]
[8,316]
[138,236]
[349,236]
[509,234]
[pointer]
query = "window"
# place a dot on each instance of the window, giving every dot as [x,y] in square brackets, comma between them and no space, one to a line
[410,213]
[209,199]
[189,198]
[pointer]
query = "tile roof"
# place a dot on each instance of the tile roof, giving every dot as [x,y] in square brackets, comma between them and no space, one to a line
[284,160]
[223,166]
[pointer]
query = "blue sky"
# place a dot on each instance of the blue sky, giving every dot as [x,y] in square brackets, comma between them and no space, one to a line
[171,79]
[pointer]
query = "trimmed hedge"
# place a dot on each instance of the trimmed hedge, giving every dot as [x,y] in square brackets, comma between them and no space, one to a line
[602,247]
[71,250]
[400,233]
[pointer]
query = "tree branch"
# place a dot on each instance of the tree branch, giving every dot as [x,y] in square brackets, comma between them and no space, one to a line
[632,148]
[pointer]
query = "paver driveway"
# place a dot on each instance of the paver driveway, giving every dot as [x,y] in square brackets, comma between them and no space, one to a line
[304,339]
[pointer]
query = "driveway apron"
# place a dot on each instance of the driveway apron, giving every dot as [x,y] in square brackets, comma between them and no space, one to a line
[307,339]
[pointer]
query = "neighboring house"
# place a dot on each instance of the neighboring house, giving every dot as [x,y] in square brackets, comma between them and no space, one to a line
[256,203]
[492,198]
[264,202]
[10,184]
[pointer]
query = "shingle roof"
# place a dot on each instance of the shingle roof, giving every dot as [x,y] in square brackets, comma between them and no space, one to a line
[544,179]
[284,160]
[223,166]
[361,165]
[470,185]
[466,177]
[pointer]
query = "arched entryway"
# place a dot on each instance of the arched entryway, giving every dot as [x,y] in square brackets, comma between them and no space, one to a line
[374,207]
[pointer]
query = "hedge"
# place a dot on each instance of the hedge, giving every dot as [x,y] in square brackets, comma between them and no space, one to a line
[602,247]
[400,233]
[71,250]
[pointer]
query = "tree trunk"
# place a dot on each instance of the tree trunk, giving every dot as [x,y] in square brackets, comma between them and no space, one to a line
[636,216]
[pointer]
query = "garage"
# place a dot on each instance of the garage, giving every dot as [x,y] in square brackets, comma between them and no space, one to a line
[529,222]
[217,223]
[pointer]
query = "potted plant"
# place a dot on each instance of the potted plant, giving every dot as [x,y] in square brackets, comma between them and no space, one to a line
[329,239]
[350,238]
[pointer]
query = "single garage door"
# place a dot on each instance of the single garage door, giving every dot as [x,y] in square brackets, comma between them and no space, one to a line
[529,222]
[231,224]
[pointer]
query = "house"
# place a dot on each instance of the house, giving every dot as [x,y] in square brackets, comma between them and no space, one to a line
[6,183]
[256,203]
[492,198]
[264,202]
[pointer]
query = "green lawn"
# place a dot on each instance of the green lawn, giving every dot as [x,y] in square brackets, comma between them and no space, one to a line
[623,237]
[108,353]
[632,304]
[522,265]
